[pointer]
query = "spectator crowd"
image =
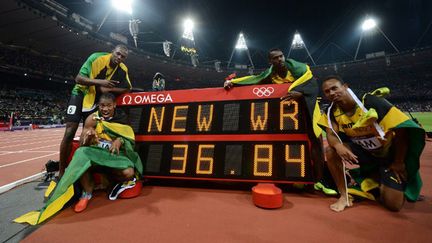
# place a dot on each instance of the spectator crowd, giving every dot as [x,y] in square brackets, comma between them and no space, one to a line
[32,106]
[408,75]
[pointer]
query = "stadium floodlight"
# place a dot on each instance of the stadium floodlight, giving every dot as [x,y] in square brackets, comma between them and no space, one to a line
[241,43]
[241,46]
[166,45]
[188,24]
[134,30]
[298,43]
[188,27]
[187,42]
[368,24]
[122,5]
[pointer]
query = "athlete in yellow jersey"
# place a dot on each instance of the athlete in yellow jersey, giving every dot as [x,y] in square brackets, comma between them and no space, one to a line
[107,143]
[379,138]
[304,88]
[100,131]
[102,72]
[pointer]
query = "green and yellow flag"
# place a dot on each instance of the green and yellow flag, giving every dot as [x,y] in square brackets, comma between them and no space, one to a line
[83,159]
[300,75]
[97,66]
[389,118]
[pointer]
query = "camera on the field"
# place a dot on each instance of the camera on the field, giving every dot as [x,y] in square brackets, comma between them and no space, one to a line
[52,166]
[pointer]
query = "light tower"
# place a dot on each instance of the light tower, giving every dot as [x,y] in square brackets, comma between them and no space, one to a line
[120,5]
[241,46]
[298,43]
[188,41]
[134,30]
[368,25]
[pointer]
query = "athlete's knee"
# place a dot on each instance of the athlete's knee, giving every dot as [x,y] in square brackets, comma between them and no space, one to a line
[392,199]
[68,137]
[128,173]
[70,132]
[395,205]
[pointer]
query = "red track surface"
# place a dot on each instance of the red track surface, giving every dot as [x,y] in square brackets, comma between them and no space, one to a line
[24,153]
[170,214]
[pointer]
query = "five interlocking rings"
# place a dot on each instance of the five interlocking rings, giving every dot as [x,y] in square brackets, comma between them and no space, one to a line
[263,91]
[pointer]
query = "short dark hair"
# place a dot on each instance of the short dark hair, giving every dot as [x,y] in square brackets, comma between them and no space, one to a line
[338,78]
[108,96]
[272,50]
[121,46]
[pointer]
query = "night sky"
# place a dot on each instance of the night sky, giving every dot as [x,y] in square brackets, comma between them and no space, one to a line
[330,29]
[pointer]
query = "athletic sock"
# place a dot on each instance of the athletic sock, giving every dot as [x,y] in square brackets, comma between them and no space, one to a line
[86,195]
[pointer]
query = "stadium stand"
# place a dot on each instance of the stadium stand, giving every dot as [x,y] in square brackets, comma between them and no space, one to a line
[408,75]
[34,87]
[42,68]
[32,101]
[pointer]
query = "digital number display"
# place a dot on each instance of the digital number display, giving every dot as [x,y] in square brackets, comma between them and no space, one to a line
[244,134]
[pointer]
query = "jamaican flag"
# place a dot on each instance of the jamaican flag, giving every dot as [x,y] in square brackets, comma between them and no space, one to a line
[83,159]
[389,118]
[300,75]
[97,66]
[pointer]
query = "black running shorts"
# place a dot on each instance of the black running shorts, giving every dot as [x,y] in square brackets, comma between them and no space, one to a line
[74,111]
[370,164]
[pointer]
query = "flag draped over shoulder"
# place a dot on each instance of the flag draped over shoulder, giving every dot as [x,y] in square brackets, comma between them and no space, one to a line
[390,118]
[300,75]
[97,66]
[83,159]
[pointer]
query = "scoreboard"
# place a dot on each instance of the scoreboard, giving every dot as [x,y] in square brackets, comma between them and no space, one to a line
[243,134]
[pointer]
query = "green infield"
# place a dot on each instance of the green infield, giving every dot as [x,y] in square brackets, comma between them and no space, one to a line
[425,119]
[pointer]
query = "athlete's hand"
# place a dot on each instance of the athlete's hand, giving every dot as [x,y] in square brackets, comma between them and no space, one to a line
[346,155]
[90,138]
[399,169]
[115,146]
[291,95]
[108,83]
[228,85]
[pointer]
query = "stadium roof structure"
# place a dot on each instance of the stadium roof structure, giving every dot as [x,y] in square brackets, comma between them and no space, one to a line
[331,30]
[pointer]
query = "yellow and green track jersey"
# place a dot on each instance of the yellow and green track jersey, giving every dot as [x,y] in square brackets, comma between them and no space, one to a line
[97,67]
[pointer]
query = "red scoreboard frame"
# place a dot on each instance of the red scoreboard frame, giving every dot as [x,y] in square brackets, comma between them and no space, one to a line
[243,134]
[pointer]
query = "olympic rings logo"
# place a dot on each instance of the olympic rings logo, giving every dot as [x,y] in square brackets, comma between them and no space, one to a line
[263,91]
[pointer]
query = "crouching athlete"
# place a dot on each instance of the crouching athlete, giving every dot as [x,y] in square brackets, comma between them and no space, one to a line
[379,139]
[106,142]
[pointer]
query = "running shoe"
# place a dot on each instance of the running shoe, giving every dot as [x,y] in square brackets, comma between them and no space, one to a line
[120,187]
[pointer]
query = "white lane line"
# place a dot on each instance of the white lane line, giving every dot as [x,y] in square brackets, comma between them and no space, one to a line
[26,151]
[29,150]
[12,142]
[41,147]
[26,134]
[27,139]
[23,135]
[27,160]
[26,144]
[14,184]
[30,139]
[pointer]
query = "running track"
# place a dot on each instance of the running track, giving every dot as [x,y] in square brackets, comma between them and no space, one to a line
[192,215]
[23,154]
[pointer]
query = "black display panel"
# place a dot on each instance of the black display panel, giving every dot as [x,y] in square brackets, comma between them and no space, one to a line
[214,134]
